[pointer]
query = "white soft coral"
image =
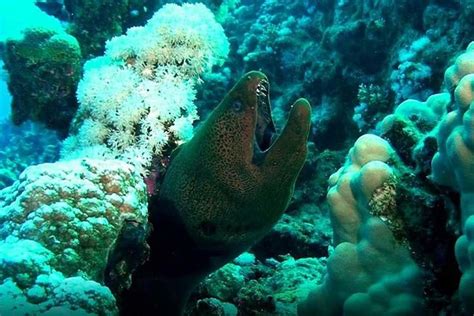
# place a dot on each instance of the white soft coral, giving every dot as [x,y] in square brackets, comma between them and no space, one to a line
[139,97]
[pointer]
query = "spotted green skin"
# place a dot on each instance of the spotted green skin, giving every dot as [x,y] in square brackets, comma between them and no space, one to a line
[224,200]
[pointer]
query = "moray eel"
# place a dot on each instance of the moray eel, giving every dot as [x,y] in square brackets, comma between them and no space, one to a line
[223,191]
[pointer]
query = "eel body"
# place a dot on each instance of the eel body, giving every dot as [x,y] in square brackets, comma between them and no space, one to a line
[223,191]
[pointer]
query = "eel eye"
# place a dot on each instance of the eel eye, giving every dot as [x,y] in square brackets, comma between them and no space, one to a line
[237,106]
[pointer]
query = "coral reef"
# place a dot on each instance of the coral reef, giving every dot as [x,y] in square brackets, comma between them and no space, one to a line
[74,209]
[464,247]
[327,49]
[95,22]
[30,286]
[437,131]
[400,209]
[302,233]
[373,101]
[272,287]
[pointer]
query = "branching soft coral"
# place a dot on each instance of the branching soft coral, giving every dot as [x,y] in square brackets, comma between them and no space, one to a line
[138,98]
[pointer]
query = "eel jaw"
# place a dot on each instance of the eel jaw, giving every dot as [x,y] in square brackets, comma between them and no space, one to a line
[264,127]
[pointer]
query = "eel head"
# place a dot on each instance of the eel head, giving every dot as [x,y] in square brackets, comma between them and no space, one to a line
[232,181]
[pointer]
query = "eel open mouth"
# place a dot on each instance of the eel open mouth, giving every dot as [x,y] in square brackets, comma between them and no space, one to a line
[265,129]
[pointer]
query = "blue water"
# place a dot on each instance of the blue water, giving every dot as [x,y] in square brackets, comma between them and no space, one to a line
[5,98]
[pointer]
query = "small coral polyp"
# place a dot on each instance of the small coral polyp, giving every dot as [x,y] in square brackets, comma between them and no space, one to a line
[138,99]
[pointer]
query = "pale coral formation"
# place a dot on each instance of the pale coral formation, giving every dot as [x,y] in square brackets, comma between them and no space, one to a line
[463,66]
[370,271]
[453,164]
[59,223]
[365,171]
[74,209]
[371,277]
[465,257]
[31,286]
[425,115]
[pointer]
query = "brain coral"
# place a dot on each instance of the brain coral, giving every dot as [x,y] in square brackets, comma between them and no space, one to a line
[138,98]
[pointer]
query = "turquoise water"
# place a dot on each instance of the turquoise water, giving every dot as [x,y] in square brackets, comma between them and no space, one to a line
[6,99]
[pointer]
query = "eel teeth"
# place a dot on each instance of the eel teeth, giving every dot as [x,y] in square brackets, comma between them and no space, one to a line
[262,90]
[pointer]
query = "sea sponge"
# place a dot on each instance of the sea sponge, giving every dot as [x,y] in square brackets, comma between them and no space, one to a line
[137,100]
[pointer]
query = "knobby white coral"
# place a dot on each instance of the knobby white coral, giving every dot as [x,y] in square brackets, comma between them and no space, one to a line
[370,272]
[75,209]
[58,225]
[138,98]
[453,164]
[30,286]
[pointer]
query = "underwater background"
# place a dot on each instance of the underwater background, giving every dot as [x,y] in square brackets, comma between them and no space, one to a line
[144,170]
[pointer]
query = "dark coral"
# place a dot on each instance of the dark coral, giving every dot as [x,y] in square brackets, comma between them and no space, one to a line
[95,22]
[44,68]
[326,49]
[426,212]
